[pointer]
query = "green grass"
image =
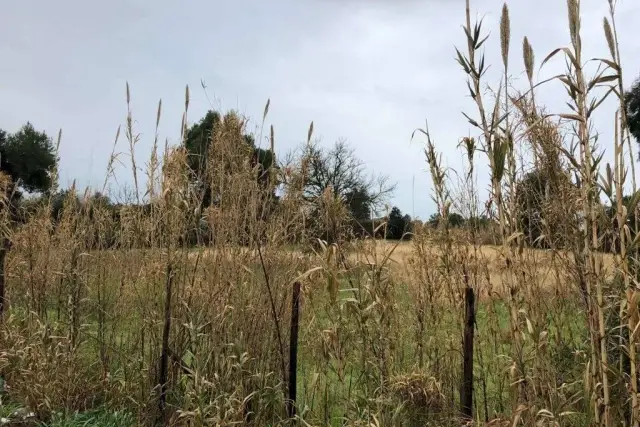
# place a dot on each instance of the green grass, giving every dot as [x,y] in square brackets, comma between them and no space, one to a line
[362,327]
[97,418]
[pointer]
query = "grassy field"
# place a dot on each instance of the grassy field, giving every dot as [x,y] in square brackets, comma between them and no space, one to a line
[379,335]
[547,264]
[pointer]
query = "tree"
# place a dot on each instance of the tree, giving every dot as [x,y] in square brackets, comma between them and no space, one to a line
[200,141]
[632,101]
[455,220]
[337,174]
[543,202]
[359,204]
[26,158]
[338,168]
[397,224]
[530,198]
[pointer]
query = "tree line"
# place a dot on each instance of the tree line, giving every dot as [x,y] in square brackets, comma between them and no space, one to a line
[28,159]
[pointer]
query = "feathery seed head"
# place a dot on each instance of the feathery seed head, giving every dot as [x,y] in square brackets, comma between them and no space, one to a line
[505,34]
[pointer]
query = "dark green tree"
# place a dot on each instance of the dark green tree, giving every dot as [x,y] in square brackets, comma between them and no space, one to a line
[199,142]
[542,206]
[632,101]
[359,203]
[58,200]
[263,160]
[27,158]
[397,224]
[481,222]
[455,220]
[531,197]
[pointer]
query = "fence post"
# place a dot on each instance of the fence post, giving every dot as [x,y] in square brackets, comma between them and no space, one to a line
[163,375]
[466,393]
[293,350]
[3,255]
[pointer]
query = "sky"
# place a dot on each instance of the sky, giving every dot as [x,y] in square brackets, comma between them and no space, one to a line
[367,71]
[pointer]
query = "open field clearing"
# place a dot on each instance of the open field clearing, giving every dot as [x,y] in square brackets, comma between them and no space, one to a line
[549,267]
[400,256]
[113,338]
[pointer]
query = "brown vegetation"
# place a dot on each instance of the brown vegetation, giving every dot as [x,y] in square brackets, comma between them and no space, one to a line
[126,315]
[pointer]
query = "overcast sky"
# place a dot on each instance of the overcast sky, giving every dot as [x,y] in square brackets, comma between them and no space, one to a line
[369,71]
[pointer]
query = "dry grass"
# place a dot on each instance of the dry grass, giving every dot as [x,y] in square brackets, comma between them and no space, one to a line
[177,312]
[547,264]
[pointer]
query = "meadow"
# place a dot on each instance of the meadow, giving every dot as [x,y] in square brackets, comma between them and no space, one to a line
[380,335]
[239,311]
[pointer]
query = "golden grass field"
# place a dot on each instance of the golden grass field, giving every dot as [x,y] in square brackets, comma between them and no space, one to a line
[544,269]
[551,268]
